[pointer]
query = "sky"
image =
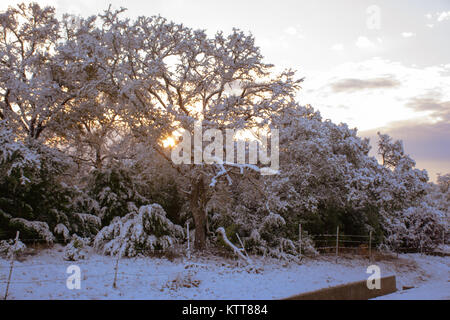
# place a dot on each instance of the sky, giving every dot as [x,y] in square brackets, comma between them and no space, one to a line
[375,65]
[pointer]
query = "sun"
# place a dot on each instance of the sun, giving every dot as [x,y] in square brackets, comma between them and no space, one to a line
[168,142]
[171,140]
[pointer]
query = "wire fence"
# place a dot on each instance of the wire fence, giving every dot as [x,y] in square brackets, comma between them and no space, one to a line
[109,274]
[109,265]
[338,244]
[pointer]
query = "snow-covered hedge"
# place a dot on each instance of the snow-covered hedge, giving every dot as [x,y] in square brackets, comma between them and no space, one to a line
[62,232]
[138,232]
[76,249]
[266,240]
[10,247]
[416,228]
[36,230]
[86,224]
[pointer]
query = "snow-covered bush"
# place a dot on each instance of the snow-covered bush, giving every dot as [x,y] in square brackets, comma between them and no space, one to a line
[62,232]
[413,217]
[33,198]
[35,230]
[271,226]
[115,192]
[8,248]
[416,228]
[439,198]
[76,248]
[18,163]
[86,224]
[138,233]
[275,245]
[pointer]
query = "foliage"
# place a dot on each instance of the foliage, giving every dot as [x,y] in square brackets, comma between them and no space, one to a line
[8,248]
[87,102]
[138,233]
[76,249]
[115,192]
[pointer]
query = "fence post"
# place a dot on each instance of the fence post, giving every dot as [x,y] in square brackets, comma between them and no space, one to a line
[300,238]
[12,266]
[188,242]
[116,269]
[337,243]
[242,244]
[370,246]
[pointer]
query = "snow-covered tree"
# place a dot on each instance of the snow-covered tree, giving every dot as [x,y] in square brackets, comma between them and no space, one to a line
[33,197]
[327,178]
[91,129]
[169,76]
[115,192]
[32,92]
[415,228]
[411,218]
[440,194]
[87,106]
[138,232]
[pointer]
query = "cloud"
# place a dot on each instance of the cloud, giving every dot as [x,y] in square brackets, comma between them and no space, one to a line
[442,16]
[408,34]
[292,31]
[364,43]
[411,104]
[377,91]
[337,47]
[439,110]
[353,84]
[439,16]
[427,143]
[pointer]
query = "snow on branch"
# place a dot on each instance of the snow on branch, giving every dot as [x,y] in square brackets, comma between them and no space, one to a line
[236,250]
[224,172]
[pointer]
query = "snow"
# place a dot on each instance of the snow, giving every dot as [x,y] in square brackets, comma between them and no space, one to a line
[436,286]
[43,276]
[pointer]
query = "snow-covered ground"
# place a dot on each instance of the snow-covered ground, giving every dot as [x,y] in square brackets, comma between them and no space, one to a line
[43,276]
[436,284]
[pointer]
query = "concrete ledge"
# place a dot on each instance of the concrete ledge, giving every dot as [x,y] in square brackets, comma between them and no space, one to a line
[351,291]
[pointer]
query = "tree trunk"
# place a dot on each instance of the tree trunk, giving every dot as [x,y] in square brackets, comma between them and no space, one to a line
[198,197]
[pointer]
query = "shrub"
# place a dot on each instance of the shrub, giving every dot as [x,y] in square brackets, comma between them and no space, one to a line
[75,249]
[416,228]
[138,232]
[8,248]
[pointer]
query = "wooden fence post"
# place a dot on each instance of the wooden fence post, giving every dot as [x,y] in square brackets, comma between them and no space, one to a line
[337,243]
[300,238]
[242,244]
[116,269]
[188,242]
[11,266]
